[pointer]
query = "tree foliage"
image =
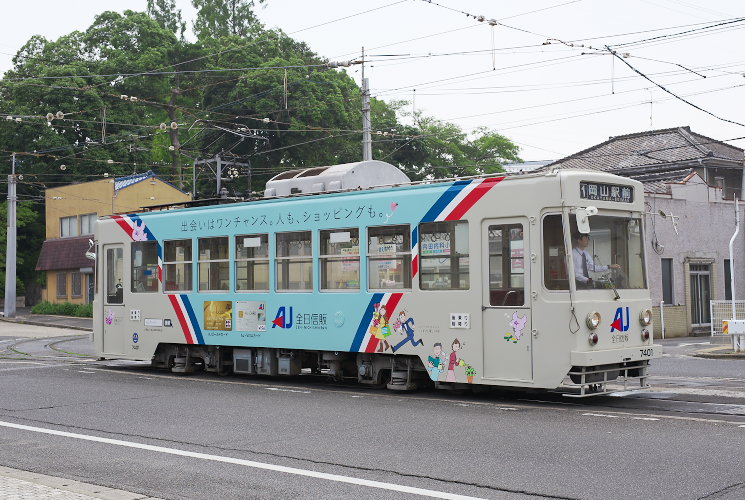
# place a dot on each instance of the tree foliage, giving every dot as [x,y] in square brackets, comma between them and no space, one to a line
[222,18]
[167,15]
[135,95]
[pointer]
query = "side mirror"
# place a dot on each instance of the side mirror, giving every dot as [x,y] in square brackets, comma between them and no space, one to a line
[583,218]
[90,255]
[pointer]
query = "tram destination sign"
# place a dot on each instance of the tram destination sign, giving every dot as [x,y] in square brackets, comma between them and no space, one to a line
[606,192]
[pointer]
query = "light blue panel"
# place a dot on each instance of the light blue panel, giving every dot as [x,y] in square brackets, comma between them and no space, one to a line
[335,317]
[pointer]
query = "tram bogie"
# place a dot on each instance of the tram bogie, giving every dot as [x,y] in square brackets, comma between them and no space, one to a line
[471,283]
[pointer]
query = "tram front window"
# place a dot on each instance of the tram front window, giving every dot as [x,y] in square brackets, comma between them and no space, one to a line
[611,256]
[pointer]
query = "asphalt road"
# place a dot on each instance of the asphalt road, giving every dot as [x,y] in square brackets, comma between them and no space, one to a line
[126,426]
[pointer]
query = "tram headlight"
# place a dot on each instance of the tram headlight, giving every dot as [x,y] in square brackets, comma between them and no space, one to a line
[593,338]
[645,317]
[645,335]
[593,320]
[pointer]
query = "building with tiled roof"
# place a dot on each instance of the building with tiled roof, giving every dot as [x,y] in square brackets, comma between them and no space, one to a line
[71,212]
[666,153]
[690,182]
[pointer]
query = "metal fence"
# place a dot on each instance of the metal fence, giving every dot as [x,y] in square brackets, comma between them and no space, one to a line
[721,310]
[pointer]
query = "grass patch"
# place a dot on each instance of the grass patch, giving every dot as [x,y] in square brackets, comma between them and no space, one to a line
[64,309]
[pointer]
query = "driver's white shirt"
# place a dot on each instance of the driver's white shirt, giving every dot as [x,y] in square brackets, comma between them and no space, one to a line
[577,259]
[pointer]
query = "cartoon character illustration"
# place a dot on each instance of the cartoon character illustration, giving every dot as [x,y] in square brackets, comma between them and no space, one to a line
[518,325]
[380,328]
[138,232]
[109,317]
[405,326]
[454,361]
[436,362]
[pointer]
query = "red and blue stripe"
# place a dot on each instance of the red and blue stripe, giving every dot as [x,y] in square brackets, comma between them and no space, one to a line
[187,319]
[453,204]
[181,305]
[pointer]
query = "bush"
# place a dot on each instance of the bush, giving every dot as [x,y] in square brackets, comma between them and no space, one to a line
[64,309]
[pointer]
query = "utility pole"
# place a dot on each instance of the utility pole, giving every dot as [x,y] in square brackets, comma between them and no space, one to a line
[366,125]
[219,164]
[10,252]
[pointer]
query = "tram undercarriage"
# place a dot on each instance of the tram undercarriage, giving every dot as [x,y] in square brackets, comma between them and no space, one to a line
[402,373]
[398,373]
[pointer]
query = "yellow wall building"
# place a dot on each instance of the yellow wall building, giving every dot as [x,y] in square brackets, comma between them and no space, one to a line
[71,212]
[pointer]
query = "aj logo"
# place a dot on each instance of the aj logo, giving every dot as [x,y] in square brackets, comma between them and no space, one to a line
[283,320]
[618,321]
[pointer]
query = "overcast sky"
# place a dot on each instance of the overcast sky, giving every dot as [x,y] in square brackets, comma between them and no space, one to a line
[551,99]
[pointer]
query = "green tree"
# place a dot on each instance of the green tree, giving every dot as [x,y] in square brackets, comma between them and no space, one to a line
[133,95]
[220,18]
[167,15]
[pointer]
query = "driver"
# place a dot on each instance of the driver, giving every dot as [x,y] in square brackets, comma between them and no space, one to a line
[583,262]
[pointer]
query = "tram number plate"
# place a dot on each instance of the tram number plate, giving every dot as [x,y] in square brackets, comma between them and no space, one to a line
[646,353]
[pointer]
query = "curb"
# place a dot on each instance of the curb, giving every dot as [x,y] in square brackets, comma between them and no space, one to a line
[39,323]
[719,352]
[711,355]
[34,485]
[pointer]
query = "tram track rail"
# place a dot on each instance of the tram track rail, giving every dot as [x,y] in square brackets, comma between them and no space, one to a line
[643,405]
[53,344]
[665,399]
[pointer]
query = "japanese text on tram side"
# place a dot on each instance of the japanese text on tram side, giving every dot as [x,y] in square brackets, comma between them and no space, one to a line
[281,219]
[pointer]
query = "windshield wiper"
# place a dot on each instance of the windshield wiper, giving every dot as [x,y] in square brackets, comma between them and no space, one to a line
[613,287]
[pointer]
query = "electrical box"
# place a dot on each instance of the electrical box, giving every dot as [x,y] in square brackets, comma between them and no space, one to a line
[289,365]
[243,361]
[266,362]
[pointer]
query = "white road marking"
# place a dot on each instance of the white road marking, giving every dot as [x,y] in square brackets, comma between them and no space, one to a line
[246,463]
[599,415]
[694,343]
[39,365]
[281,389]
[646,418]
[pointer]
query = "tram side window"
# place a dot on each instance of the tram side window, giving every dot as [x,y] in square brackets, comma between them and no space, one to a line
[443,255]
[144,266]
[114,276]
[252,263]
[214,264]
[340,259]
[506,265]
[389,257]
[177,265]
[555,273]
[295,261]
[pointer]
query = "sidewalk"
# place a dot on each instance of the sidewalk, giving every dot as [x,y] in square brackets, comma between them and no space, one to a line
[720,347]
[22,485]
[24,316]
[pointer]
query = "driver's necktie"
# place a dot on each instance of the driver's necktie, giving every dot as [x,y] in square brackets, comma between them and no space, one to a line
[585,271]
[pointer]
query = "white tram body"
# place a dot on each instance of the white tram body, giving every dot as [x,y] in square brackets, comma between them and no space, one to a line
[459,282]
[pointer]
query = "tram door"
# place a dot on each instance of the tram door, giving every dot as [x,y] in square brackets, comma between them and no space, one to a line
[113,298]
[508,350]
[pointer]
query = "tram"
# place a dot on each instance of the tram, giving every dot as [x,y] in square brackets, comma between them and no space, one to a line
[450,283]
